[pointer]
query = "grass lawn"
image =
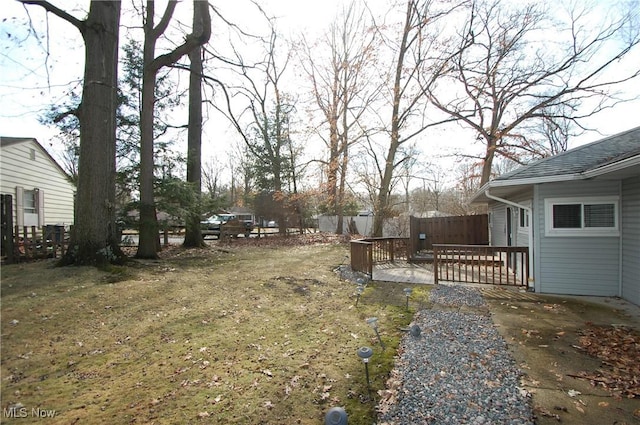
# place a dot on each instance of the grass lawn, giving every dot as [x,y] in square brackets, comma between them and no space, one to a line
[234,334]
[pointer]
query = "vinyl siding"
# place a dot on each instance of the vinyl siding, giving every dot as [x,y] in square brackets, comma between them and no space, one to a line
[19,170]
[631,239]
[520,235]
[576,265]
[498,224]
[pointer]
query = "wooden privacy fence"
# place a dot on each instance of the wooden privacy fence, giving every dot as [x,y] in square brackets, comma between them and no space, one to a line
[367,252]
[464,229]
[498,265]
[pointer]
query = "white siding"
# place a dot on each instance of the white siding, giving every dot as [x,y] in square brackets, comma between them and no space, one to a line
[631,240]
[576,265]
[27,165]
[498,224]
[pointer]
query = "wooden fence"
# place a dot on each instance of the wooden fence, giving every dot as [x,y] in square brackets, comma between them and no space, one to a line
[464,230]
[367,252]
[30,243]
[498,265]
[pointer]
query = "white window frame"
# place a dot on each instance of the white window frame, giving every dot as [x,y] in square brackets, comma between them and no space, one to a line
[30,201]
[582,231]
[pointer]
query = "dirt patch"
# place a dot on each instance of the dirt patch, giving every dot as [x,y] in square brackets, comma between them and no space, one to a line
[579,357]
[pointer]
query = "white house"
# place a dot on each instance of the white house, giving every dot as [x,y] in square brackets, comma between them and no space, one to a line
[41,191]
[579,214]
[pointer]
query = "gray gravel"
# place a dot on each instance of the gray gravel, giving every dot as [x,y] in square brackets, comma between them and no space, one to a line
[458,371]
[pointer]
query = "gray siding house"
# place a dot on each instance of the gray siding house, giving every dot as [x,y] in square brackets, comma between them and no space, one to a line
[579,214]
[41,191]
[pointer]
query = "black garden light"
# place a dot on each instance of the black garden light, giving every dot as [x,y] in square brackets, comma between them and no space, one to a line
[373,322]
[365,354]
[336,416]
[407,293]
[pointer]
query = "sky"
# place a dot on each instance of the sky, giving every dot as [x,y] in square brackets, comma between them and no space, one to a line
[36,71]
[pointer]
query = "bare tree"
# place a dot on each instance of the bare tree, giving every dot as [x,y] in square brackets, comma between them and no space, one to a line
[242,175]
[193,233]
[413,71]
[520,72]
[94,238]
[149,242]
[343,90]
[265,121]
[211,178]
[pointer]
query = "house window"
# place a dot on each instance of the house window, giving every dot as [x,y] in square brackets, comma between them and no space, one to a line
[597,216]
[29,205]
[32,154]
[524,218]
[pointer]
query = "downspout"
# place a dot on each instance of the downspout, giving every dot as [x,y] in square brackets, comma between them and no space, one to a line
[621,244]
[531,282]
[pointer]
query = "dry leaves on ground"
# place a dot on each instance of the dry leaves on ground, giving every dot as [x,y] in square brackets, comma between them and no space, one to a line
[619,349]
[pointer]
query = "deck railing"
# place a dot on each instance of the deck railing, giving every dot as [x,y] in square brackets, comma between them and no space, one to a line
[367,252]
[498,265]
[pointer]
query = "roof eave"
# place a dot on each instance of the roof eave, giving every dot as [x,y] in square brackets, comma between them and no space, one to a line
[479,196]
[611,168]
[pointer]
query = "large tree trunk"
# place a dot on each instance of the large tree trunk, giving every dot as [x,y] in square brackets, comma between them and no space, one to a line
[94,238]
[487,162]
[149,241]
[193,235]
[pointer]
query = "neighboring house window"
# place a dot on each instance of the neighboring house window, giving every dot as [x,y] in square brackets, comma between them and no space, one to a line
[29,202]
[597,216]
[29,207]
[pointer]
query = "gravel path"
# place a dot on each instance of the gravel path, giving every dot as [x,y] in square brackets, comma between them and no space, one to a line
[458,371]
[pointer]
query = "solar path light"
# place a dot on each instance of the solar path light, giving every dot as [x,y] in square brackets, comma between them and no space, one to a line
[359,291]
[365,354]
[407,293]
[336,416]
[373,322]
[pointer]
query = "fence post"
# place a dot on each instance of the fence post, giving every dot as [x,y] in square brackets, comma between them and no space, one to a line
[7,228]
[435,264]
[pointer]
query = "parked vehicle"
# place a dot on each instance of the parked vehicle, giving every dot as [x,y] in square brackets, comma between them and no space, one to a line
[221,225]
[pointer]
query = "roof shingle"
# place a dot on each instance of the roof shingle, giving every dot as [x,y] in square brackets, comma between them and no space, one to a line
[581,159]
